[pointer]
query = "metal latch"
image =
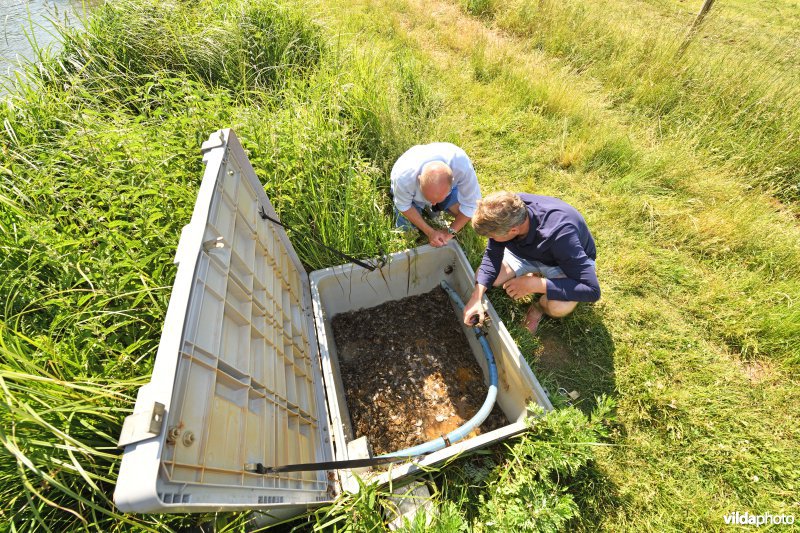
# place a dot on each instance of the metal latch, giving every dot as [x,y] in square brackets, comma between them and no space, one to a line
[143,425]
[569,396]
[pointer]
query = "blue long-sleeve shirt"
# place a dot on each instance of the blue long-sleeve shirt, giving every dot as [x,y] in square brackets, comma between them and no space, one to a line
[558,236]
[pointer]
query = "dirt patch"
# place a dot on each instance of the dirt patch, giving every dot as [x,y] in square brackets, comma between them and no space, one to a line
[553,355]
[757,371]
[408,372]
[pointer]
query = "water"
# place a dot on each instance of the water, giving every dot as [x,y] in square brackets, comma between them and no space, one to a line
[18,17]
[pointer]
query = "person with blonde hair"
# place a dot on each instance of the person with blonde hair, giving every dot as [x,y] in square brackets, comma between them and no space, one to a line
[438,177]
[537,245]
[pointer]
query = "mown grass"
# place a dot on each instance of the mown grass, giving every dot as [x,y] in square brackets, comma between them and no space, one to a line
[733,92]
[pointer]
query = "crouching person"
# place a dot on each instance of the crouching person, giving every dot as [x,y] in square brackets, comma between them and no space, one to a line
[436,176]
[537,245]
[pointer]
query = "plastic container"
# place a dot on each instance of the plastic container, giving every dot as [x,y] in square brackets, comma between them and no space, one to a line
[247,372]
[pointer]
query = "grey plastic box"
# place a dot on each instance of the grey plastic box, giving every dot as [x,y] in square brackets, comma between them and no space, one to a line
[246,370]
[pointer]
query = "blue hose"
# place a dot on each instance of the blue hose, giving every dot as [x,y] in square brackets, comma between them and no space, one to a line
[464,430]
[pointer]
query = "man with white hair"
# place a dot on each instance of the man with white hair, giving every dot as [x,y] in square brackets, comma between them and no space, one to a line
[438,176]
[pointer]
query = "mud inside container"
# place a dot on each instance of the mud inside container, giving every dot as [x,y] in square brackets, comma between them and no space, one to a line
[409,375]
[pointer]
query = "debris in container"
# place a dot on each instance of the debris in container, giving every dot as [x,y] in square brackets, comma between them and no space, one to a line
[409,373]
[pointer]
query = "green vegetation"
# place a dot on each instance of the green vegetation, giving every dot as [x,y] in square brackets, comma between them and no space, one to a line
[697,333]
[99,171]
[734,94]
[697,337]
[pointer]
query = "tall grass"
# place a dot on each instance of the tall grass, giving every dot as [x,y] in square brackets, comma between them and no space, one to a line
[99,171]
[58,435]
[246,47]
[740,104]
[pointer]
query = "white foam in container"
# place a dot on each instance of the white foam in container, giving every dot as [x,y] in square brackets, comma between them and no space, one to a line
[247,371]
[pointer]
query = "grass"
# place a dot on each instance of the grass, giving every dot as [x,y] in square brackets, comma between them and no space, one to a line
[696,339]
[696,334]
[733,94]
[100,166]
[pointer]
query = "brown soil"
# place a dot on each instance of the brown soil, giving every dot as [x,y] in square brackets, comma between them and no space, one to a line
[553,355]
[757,371]
[409,373]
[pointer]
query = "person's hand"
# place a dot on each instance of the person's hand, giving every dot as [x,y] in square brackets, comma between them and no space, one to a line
[439,238]
[525,285]
[474,308]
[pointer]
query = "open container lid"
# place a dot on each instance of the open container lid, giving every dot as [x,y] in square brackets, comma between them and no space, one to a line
[236,378]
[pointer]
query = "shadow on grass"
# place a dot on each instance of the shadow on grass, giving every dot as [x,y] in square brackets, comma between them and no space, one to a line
[575,353]
[596,496]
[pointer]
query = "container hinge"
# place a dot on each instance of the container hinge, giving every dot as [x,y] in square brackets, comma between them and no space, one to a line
[142,425]
[569,396]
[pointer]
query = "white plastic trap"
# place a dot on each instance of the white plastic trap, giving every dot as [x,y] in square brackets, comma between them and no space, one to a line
[247,372]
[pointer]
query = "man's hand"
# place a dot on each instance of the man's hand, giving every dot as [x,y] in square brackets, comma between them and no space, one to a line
[439,238]
[436,237]
[474,308]
[525,285]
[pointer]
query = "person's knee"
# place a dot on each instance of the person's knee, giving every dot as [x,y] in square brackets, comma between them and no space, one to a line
[558,309]
[506,273]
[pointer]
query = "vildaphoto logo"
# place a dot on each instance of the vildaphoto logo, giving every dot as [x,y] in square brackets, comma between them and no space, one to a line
[747,519]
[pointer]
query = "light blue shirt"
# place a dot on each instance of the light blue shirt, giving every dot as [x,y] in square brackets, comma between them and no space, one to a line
[406,171]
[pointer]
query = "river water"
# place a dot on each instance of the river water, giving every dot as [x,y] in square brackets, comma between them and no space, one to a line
[23,20]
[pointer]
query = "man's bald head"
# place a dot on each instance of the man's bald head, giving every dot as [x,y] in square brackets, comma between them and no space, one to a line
[436,181]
